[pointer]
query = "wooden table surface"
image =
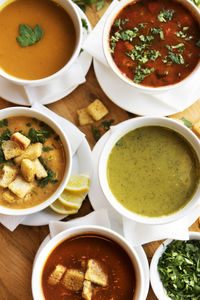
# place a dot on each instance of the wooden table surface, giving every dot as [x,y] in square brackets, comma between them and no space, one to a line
[18,248]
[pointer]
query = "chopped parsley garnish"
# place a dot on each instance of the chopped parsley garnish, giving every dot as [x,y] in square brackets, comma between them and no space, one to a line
[47,149]
[96,133]
[28,36]
[142,25]
[3,123]
[141,72]
[50,178]
[143,55]
[186,122]
[146,38]
[120,22]
[165,15]
[173,58]
[184,35]
[129,35]
[84,24]
[180,47]
[107,124]
[198,43]
[38,136]
[179,270]
[158,31]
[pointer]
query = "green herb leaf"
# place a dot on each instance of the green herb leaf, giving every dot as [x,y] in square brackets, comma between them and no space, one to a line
[198,43]
[50,178]
[47,149]
[95,132]
[28,36]
[119,143]
[165,15]
[38,136]
[196,2]
[141,73]
[84,24]
[106,124]
[120,22]
[186,122]
[100,4]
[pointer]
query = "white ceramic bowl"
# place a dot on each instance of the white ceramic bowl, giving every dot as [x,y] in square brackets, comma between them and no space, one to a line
[22,111]
[156,283]
[71,8]
[119,131]
[145,89]
[51,245]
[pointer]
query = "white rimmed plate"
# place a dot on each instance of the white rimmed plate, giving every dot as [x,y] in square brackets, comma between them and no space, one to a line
[138,103]
[15,93]
[154,275]
[82,163]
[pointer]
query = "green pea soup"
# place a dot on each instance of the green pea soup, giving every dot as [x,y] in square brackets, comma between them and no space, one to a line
[153,171]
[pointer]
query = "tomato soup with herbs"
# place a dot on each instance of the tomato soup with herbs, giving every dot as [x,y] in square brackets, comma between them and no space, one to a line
[155,42]
[37,38]
[88,267]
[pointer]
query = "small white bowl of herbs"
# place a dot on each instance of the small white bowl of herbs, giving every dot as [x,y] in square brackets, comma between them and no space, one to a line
[175,269]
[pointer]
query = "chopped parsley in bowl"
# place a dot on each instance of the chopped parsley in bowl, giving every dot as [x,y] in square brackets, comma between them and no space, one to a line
[175,269]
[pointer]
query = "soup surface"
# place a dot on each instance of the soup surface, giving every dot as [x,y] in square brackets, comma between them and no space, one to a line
[159,174]
[75,254]
[155,42]
[29,176]
[50,53]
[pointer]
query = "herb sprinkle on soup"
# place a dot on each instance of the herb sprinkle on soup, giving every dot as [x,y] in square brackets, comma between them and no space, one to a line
[155,43]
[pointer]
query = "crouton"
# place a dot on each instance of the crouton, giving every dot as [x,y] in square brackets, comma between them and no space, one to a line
[9,197]
[73,280]
[21,140]
[95,274]
[196,127]
[20,187]
[56,275]
[28,169]
[32,152]
[11,149]
[97,110]
[83,117]
[9,173]
[40,170]
[87,290]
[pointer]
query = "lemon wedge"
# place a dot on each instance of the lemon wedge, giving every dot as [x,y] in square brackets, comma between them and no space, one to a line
[72,200]
[58,207]
[78,183]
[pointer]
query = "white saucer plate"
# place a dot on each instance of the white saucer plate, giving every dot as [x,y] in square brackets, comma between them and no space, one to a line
[82,163]
[16,94]
[133,101]
[98,201]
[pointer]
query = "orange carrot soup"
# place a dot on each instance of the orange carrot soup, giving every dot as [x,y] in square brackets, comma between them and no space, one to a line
[37,38]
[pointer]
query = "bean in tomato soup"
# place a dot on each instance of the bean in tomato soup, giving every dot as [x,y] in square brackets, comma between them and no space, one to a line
[155,43]
[88,267]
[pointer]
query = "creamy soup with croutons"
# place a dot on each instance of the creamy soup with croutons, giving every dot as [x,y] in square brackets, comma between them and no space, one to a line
[32,162]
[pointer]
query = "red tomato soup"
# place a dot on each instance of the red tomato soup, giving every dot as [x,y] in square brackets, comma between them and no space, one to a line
[88,267]
[155,43]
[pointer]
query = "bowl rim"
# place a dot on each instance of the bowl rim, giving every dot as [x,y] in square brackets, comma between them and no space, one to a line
[120,130]
[81,230]
[146,89]
[31,112]
[66,4]
[156,283]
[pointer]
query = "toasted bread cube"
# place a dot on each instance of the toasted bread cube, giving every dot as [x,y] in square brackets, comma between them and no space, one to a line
[87,290]
[20,187]
[11,149]
[40,170]
[28,169]
[196,127]
[83,117]
[9,173]
[9,197]
[97,110]
[95,273]
[73,280]
[21,140]
[32,152]
[56,275]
